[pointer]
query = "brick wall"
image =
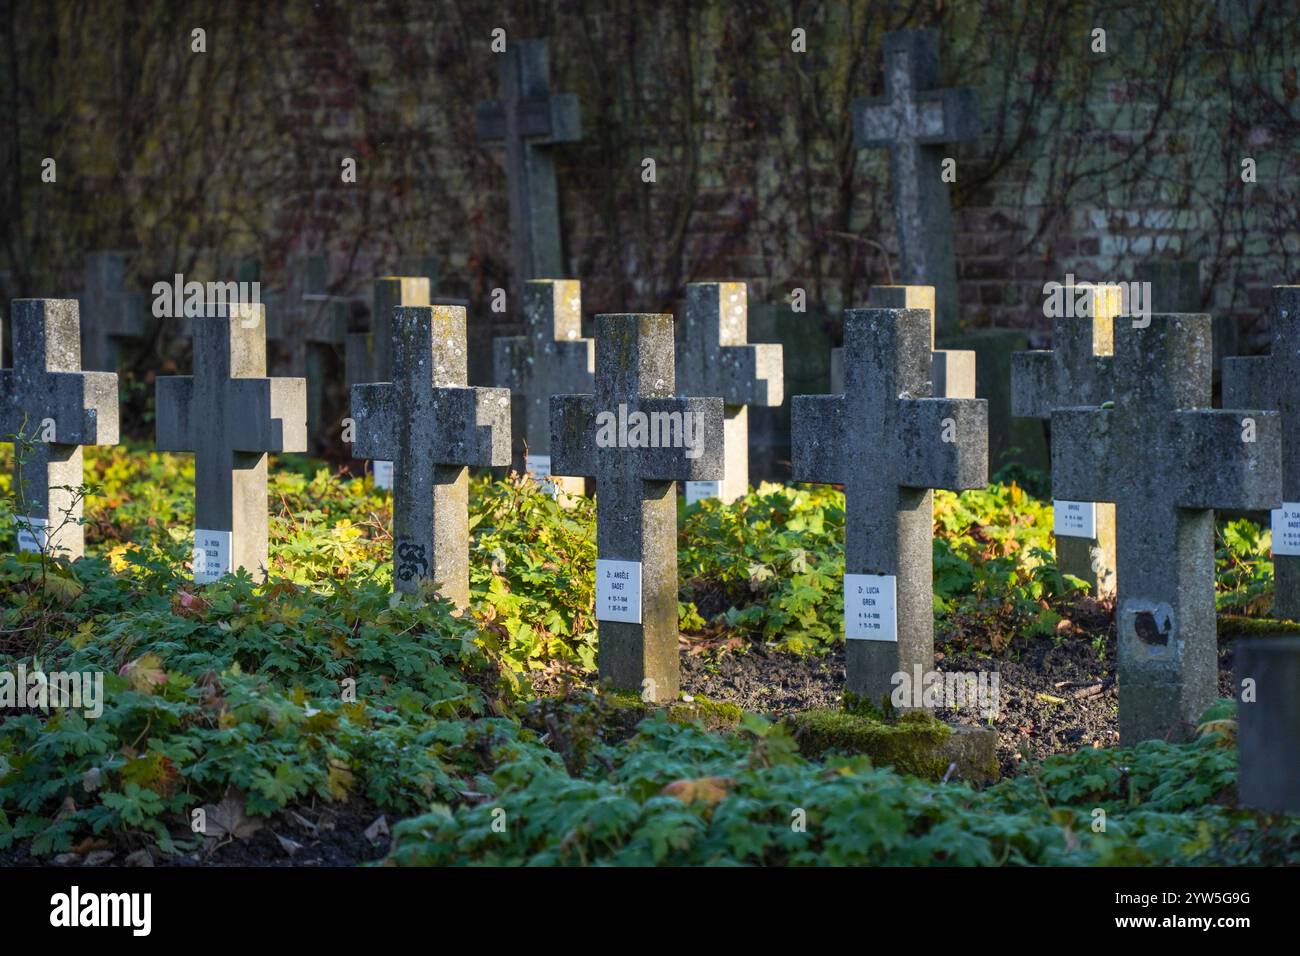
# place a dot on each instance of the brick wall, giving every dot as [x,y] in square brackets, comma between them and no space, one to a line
[1089,164]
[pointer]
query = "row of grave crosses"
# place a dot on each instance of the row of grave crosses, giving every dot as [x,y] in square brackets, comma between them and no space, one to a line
[1129,402]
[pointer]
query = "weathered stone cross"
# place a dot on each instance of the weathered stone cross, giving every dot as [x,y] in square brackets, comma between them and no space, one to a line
[1166,459]
[527,120]
[911,120]
[369,355]
[314,326]
[110,314]
[230,415]
[1273,381]
[551,359]
[432,427]
[952,371]
[890,443]
[52,408]
[717,359]
[1076,372]
[1268,727]
[636,439]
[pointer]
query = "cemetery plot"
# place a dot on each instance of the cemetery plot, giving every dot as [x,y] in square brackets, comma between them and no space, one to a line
[330,660]
[551,622]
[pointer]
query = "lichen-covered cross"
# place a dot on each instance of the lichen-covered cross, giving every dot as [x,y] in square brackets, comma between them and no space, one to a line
[1166,459]
[432,427]
[369,355]
[952,371]
[717,359]
[231,415]
[527,120]
[1076,371]
[636,439]
[889,443]
[1273,381]
[50,408]
[551,359]
[912,120]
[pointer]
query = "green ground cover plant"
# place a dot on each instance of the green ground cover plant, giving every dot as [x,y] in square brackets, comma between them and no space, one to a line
[320,685]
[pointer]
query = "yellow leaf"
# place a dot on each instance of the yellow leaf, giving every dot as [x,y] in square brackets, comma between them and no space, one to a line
[1226,729]
[117,557]
[144,673]
[339,780]
[64,589]
[706,790]
[85,634]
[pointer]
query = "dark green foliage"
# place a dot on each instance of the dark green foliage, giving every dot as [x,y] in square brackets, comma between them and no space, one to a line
[321,686]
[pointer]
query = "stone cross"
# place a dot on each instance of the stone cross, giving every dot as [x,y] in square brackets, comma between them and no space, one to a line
[717,359]
[912,120]
[1166,459]
[432,427]
[1273,381]
[1076,372]
[231,416]
[551,359]
[952,371]
[369,355]
[1268,725]
[1175,286]
[527,120]
[314,326]
[889,442]
[50,408]
[430,267]
[111,315]
[636,439]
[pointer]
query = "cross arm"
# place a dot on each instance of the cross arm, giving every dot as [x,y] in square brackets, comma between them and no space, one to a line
[1033,379]
[127,317]
[952,373]
[690,434]
[11,416]
[573,435]
[509,353]
[1229,458]
[328,317]
[941,116]
[1082,451]
[752,375]
[374,414]
[471,426]
[551,119]
[817,438]
[268,414]
[1247,382]
[576,360]
[174,413]
[944,443]
[84,408]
